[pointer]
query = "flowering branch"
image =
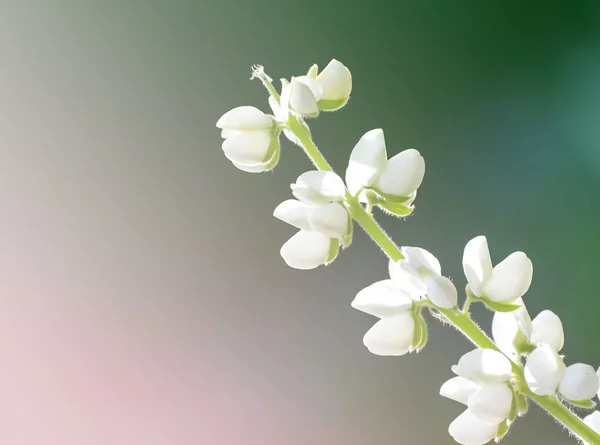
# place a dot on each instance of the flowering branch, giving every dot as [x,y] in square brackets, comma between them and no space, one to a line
[491,380]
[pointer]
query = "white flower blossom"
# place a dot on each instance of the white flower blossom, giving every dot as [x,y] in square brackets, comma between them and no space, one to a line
[419,274]
[369,167]
[504,283]
[251,141]
[482,385]
[336,86]
[579,382]
[318,213]
[544,370]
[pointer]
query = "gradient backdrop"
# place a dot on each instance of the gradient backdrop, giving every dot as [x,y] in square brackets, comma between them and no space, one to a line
[144,301]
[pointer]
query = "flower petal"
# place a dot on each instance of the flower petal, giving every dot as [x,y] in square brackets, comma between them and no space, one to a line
[313,84]
[544,370]
[593,421]
[336,81]
[422,260]
[484,366]
[403,174]
[547,328]
[293,212]
[306,250]
[467,429]
[506,326]
[491,403]
[248,147]
[245,118]
[477,264]
[441,292]
[329,219]
[367,161]
[510,279]
[459,389]
[302,99]
[407,278]
[382,299]
[579,382]
[319,187]
[391,335]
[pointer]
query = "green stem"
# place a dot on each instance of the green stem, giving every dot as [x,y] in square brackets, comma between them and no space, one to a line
[460,320]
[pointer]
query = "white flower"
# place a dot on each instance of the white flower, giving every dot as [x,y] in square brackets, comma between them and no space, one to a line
[468,429]
[511,328]
[323,221]
[419,274]
[579,382]
[251,140]
[482,385]
[593,421]
[301,95]
[504,283]
[598,374]
[336,85]
[547,328]
[393,334]
[544,370]
[369,167]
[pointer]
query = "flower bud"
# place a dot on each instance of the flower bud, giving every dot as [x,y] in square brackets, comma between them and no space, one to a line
[367,161]
[336,83]
[510,279]
[477,264]
[319,187]
[547,328]
[579,382]
[308,250]
[301,96]
[391,336]
[251,141]
[441,292]
[467,429]
[484,367]
[402,175]
[544,370]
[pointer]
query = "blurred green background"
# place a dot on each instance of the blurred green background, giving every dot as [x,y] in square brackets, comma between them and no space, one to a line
[144,299]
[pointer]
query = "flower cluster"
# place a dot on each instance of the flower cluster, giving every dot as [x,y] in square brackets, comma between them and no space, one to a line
[495,380]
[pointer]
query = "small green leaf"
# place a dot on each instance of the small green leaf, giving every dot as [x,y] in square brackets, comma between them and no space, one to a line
[502,430]
[395,208]
[331,105]
[334,248]
[500,307]
[586,404]
[522,405]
